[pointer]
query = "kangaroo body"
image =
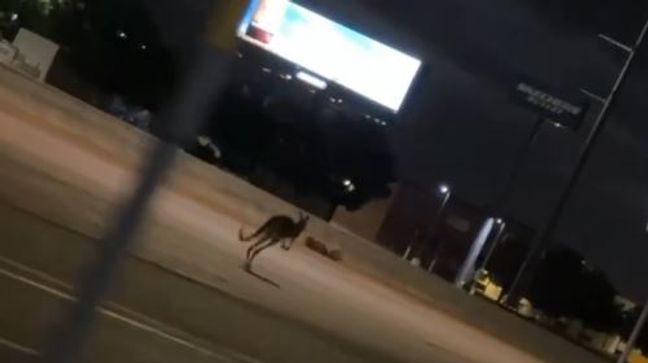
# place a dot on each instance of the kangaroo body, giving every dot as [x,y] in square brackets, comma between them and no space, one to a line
[278,229]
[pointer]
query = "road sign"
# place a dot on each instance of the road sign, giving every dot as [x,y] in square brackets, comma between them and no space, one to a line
[550,105]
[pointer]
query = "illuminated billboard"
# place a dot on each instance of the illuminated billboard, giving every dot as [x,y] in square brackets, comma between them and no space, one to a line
[330,50]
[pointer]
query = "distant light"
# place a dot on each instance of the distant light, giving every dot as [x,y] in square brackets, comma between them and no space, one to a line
[350,187]
[266,70]
[311,80]
[444,189]
[286,77]
[558,125]
[122,35]
[14,16]
[499,221]
[143,47]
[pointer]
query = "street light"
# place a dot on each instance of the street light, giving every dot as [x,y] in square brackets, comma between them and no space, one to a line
[549,227]
[446,192]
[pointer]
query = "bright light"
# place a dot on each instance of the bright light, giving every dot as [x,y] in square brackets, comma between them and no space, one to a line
[312,80]
[330,50]
[499,221]
[444,189]
[122,35]
[14,17]
[350,187]
[143,47]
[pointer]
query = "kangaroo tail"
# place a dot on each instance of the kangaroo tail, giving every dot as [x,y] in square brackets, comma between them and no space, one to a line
[254,235]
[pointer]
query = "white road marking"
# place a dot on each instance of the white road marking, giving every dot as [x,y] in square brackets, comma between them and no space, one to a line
[231,356]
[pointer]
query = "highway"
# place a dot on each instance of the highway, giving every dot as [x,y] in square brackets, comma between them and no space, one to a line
[182,294]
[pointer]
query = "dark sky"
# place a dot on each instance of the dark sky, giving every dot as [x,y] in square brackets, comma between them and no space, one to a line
[463,129]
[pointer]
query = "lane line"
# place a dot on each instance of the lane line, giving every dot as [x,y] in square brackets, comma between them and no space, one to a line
[21,348]
[129,321]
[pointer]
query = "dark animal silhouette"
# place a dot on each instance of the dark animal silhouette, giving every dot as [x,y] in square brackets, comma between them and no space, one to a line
[277,229]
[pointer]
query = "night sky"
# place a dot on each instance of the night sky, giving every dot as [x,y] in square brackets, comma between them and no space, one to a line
[463,129]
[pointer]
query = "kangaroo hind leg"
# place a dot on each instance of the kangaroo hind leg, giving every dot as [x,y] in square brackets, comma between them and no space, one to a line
[253,247]
[262,248]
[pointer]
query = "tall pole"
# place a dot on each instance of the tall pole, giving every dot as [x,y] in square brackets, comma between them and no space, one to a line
[549,228]
[635,335]
[414,250]
[435,227]
[516,170]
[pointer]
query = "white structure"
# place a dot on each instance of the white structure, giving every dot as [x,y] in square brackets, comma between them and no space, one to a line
[35,53]
[7,52]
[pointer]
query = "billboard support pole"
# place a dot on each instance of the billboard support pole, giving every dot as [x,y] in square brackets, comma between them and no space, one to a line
[519,163]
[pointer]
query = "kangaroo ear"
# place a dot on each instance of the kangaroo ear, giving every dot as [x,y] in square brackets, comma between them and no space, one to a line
[303,216]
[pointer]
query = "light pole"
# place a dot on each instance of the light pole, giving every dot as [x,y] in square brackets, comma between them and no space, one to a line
[446,192]
[635,335]
[636,331]
[547,230]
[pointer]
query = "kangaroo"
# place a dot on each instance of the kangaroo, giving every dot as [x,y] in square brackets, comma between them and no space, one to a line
[277,229]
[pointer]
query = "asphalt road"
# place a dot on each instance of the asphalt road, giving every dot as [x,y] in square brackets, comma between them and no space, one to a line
[63,169]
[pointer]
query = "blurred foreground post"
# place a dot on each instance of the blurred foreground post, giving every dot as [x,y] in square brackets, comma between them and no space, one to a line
[201,86]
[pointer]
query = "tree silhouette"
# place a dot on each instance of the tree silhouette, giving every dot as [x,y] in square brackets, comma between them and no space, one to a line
[568,286]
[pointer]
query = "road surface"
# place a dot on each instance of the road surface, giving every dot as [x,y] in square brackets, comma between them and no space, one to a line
[64,168]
